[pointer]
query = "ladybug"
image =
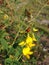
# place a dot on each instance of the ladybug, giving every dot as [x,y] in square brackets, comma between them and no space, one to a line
[28,29]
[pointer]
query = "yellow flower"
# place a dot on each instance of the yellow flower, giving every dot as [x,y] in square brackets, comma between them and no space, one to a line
[6,16]
[33,36]
[27,52]
[34,29]
[31,45]
[22,43]
[29,39]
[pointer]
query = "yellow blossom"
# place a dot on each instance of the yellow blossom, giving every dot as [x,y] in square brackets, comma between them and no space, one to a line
[22,43]
[29,39]
[27,52]
[34,29]
[31,45]
[33,36]
[6,16]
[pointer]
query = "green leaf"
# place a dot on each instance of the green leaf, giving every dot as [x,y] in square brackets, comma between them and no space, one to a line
[4,43]
[11,51]
[16,63]
[8,61]
[18,52]
[34,61]
[2,33]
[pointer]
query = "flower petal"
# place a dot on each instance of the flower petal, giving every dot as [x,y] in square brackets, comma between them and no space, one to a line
[30,53]
[22,43]
[29,39]
[34,29]
[26,50]
[34,39]
[27,56]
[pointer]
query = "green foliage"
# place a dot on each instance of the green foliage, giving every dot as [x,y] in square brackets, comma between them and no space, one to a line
[9,61]
[13,28]
[18,52]
[4,43]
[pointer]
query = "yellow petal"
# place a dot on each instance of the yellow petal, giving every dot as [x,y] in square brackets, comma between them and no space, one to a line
[34,39]
[27,56]
[22,43]
[34,29]
[26,50]
[31,45]
[29,39]
[30,53]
